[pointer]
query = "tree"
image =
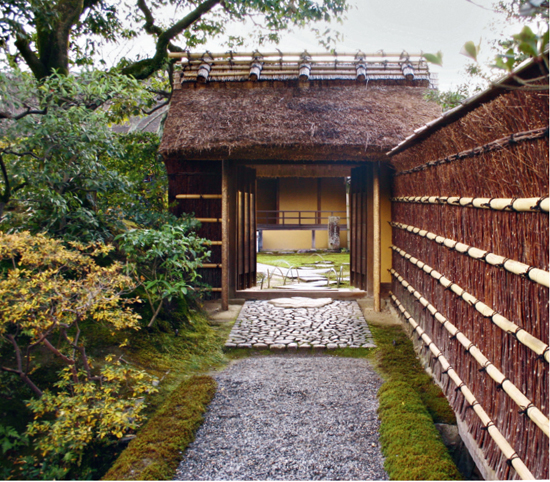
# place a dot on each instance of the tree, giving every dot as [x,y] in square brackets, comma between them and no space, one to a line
[49,36]
[49,296]
[59,155]
[164,262]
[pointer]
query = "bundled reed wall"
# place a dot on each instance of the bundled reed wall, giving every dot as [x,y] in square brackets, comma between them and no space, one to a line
[516,168]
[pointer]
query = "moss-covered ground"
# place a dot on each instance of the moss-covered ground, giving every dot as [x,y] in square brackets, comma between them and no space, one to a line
[410,404]
[156,453]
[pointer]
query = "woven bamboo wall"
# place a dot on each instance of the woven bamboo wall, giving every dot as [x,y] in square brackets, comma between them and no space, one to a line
[514,167]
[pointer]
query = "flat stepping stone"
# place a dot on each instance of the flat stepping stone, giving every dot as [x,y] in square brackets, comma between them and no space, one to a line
[292,323]
[300,302]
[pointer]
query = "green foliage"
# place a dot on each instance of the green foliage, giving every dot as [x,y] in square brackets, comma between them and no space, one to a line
[10,438]
[163,261]
[449,99]
[55,175]
[436,59]
[87,412]
[155,454]
[48,296]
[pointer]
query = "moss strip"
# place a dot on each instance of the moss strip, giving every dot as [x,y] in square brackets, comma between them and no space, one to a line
[156,452]
[409,404]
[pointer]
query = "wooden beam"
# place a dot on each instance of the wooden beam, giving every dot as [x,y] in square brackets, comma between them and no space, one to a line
[376,263]
[198,196]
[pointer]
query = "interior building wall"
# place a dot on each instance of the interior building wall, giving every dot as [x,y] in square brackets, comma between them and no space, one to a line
[304,194]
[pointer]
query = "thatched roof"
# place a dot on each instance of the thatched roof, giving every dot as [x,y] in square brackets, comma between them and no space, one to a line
[290,120]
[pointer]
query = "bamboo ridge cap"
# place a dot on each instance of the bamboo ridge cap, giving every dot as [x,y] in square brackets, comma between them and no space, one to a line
[530,341]
[530,204]
[503,444]
[206,56]
[521,269]
[518,397]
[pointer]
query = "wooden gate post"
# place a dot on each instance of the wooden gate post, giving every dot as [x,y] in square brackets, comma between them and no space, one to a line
[376,255]
[225,235]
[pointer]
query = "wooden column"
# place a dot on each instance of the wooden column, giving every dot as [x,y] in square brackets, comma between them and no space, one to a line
[225,236]
[369,234]
[231,228]
[376,265]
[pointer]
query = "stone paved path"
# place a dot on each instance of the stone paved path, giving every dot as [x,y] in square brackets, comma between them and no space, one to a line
[339,324]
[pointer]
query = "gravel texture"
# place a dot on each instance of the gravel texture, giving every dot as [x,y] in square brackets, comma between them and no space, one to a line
[338,324]
[290,417]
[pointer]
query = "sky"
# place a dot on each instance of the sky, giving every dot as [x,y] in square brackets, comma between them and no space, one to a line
[415,26]
[393,26]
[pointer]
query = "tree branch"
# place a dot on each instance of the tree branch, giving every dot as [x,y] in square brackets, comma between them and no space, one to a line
[19,370]
[145,68]
[33,61]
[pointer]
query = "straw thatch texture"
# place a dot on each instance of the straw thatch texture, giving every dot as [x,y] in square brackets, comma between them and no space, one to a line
[516,170]
[285,121]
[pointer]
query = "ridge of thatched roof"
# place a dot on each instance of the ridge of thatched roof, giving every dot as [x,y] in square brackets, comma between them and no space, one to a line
[320,120]
[259,66]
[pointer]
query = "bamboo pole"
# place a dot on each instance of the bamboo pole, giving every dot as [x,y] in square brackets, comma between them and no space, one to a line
[231,55]
[503,444]
[509,388]
[376,255]
[489,147]
[213,243]
[209,220]
[211,265]
[521,269]
[531,342]
[270,64]
[198,196]
[530,204]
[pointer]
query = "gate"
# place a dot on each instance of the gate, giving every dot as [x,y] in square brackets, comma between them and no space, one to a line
[246,227]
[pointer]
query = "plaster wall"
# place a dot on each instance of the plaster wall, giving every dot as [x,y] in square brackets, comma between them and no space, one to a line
[303,194]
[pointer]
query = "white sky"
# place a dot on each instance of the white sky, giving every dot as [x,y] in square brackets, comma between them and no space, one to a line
[393,26]
[412,25]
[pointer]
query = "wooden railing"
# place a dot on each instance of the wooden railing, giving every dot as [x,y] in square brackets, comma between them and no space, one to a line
[297,219]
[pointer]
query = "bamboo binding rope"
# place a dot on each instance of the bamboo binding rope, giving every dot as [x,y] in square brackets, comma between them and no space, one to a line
[198,196]
[489,147]
[534,274]
[526,406]
[531,342]
[503,444]
[520,205]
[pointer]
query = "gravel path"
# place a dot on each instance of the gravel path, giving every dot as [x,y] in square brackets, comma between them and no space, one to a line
[291,417]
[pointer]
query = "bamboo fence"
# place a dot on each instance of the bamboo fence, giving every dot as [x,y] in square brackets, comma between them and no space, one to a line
[471,271]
